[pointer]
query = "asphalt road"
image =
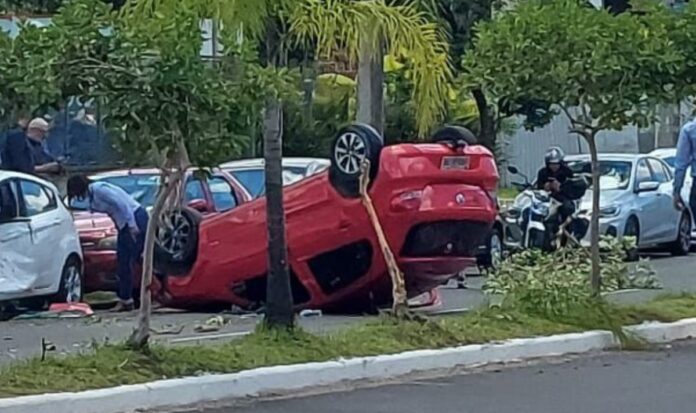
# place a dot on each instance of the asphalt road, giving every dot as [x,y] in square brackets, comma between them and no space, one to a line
[647,382]
[20,339]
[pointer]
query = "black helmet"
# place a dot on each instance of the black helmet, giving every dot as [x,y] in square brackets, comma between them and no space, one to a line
[554,155]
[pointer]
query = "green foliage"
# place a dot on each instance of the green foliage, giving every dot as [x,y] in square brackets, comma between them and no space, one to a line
[613,68]
[403,30]
[553,284]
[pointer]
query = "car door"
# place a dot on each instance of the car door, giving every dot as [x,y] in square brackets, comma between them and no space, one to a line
[18,269]
[648,203]
[668,221]
[40,207]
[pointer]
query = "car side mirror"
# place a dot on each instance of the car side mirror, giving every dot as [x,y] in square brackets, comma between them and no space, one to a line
[648,186]
[199,205]
[513,169]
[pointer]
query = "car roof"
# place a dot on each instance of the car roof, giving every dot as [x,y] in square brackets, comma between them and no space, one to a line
[259,162]
[133,171]
[628,157]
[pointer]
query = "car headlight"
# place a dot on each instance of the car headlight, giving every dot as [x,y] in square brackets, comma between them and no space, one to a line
[108,243]
[609,211]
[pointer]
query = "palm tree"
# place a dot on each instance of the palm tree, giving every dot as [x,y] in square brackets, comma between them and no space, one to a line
[365,30]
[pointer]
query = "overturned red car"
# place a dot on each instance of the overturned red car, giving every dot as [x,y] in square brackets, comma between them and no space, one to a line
[436,203]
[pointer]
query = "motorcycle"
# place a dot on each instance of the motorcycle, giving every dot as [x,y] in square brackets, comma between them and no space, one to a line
[533,219]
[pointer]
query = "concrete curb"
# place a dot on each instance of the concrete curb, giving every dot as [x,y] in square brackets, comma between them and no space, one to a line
[281,379]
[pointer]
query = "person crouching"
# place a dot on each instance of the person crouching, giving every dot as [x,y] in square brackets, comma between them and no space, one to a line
[130,219]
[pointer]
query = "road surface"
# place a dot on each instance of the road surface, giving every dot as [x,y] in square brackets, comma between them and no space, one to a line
[21,339]
[648,382]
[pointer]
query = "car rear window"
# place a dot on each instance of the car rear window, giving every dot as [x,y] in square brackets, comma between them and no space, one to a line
[254,182]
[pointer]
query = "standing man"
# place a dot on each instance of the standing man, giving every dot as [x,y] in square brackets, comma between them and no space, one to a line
[686,157]
[44,162]
[25,151]
[130,219]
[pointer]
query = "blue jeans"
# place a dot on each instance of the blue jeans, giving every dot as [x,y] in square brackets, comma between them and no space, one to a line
[128,252]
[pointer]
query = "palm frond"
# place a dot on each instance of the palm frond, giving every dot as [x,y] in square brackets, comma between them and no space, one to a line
[404,30]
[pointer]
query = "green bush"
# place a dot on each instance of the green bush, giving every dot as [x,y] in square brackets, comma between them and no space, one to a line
[554,284]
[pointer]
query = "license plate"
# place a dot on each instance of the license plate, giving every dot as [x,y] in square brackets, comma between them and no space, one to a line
[455,162]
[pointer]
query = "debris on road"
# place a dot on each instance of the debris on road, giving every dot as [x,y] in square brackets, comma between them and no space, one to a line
[168,330]
[211,325]
[311,313]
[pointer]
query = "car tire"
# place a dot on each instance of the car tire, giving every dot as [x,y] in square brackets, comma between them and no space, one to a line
[494,251]
[455,135]
[632,229]
[71,283]
[682,245]
[352,145]
[176,242]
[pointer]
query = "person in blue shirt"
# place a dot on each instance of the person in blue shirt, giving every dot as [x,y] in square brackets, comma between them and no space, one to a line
[130,219]
[686,157]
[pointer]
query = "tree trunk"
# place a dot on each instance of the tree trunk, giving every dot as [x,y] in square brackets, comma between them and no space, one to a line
[371,86]
[487,134]
[141,335]
[279,305]
[594,223]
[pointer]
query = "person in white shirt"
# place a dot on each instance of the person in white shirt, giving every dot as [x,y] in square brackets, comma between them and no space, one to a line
[130,219]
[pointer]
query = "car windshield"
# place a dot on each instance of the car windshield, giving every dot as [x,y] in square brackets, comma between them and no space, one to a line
[142,187]
[612,174]
[253,179]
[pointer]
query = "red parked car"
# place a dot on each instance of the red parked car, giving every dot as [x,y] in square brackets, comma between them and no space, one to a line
[209,195]
[436,202]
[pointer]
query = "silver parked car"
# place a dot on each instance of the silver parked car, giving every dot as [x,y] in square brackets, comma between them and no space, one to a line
[636,200]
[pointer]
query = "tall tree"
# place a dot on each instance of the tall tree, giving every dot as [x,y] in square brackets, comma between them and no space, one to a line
[601,71]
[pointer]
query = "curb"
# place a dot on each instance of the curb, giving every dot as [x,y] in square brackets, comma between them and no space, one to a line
[281,379]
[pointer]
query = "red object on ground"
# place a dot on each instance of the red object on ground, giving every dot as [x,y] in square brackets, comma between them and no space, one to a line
[73,308]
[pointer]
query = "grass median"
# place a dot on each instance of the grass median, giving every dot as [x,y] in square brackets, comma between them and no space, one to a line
[108,366]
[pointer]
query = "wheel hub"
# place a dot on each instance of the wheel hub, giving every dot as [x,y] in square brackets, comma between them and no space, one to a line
[350,151]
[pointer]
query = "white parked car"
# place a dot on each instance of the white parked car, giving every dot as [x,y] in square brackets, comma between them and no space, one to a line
[669,155]
[40,254]
[250,172]
[636,200]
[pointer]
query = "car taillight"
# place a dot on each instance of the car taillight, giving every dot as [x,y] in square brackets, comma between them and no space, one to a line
[407,201]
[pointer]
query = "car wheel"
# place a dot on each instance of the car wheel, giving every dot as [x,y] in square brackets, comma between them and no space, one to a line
[352,146]
[682,244]
[494,251]
[71,283]
[632,229]
[455,135]
[176,241]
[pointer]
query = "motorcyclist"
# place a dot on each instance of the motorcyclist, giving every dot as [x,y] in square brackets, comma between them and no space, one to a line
[551,178]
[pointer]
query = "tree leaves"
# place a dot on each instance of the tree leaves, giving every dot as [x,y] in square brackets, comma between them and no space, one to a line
[615,68]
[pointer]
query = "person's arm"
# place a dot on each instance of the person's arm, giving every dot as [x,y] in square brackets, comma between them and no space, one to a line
[541,179]
[48,168]
[685,154]
[118,205]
